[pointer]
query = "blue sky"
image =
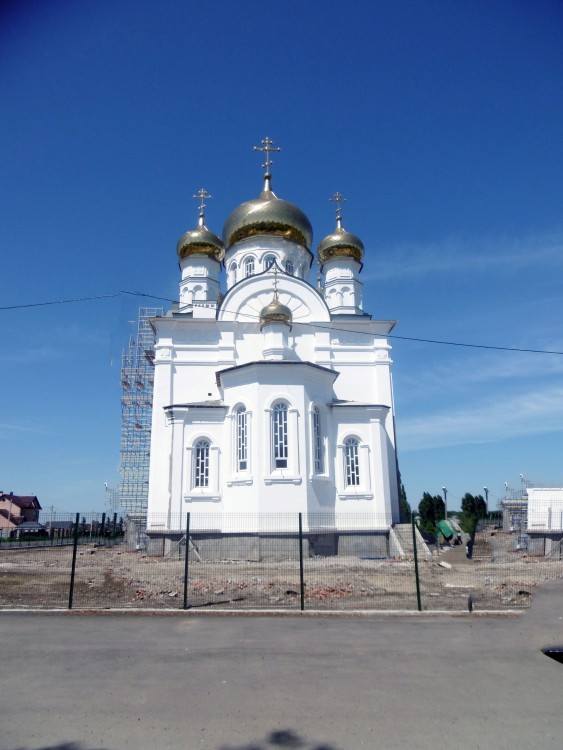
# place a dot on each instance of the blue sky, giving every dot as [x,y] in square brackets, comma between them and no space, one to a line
[440,121]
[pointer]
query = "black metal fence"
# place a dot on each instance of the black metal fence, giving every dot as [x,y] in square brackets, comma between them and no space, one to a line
[269,562]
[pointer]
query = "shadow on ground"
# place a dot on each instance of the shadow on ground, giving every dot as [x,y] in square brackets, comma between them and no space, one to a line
[284,738]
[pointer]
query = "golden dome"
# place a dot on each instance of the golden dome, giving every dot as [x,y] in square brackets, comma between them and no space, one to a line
[200,241]
[268,214]
[340,244]
[275,312]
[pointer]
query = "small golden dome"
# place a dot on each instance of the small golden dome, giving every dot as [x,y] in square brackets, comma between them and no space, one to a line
[268,214]
[340,244]
[275,312]
[200,241]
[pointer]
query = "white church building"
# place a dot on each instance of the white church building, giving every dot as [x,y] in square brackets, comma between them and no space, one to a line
[272,395]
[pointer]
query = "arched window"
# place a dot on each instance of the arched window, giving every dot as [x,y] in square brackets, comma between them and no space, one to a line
[318,453]
[279,436]
[289,267]
[352,462]
[234,269]
[242,439]
[249,267]
[201,464]
[269,261]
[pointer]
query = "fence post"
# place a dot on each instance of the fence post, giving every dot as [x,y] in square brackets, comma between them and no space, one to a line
[418,602]
[73,567]
[301,579]
[186,561]
[102,527]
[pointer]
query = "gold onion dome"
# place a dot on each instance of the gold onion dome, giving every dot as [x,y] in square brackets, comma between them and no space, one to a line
[275,312]
[200,241]
[340,244]
[268,214]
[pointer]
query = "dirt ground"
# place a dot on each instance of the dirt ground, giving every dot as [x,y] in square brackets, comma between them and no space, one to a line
[111,577]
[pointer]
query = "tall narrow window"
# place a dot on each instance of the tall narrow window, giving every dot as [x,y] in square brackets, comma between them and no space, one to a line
[352,462]
[249,267]
[279,429]
[201,467]
[242,439]
[317,441]
[234,272]
[269,261]
[289,267]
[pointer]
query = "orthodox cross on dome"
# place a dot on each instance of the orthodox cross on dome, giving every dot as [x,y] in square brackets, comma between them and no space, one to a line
[275,272]
[267,146]
[201,196]
[338,198]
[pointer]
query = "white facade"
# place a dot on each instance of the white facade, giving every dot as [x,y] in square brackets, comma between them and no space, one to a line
[545,509]
[263,414]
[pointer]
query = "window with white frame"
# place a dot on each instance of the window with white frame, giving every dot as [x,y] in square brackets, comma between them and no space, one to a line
[234,269]
[279,435]
[242,439]
[318,453]
[201,464]
[249,267]
[269,261]
[351,462]
[289,267]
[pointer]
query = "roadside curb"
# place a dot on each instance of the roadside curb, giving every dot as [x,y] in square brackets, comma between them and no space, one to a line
[316,614]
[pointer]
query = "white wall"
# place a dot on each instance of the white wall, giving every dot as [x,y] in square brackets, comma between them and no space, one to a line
[545,509]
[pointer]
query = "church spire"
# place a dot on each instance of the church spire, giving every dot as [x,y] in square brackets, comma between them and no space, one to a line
[201,196]
[340,257]
[267,146]
[338,198]
[200,241]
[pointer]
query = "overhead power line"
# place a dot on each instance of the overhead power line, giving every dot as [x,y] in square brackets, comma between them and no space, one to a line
[60,301]
[439,342]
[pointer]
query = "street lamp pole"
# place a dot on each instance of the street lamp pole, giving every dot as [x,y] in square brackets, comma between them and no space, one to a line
[445,491]
[486,499]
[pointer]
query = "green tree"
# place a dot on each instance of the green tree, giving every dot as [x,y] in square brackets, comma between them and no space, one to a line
[473,508]
[404,507]
[431,509]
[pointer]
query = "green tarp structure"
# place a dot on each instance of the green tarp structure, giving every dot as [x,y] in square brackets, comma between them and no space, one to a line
[445,529]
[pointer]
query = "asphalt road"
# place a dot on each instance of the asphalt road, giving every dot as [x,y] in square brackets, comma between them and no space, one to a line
[108,682]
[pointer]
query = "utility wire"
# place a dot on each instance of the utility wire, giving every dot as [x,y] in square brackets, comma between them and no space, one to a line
[60,301]
[408,338]
[295,323]
[84,299]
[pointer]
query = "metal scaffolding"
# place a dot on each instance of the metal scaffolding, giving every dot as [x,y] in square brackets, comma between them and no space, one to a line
[137,381]
[112,500]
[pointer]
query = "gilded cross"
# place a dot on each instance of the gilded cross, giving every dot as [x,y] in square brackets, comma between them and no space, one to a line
[267,146]
[200,196]
[338,198]
[275,279]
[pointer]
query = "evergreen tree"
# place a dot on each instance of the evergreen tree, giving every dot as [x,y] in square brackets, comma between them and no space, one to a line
[404,507]
[431,509]
[473,508]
